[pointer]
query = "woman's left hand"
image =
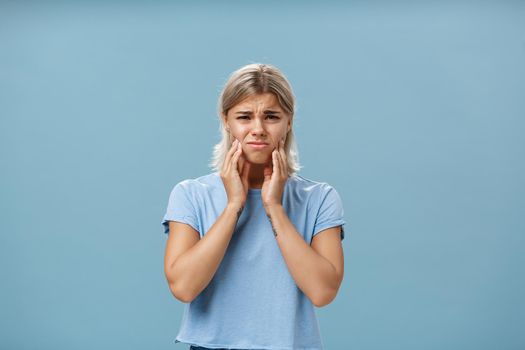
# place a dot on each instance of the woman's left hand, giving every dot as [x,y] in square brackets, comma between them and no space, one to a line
[275,176]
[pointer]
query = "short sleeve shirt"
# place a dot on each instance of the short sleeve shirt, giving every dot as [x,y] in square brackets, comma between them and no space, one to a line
[252,301]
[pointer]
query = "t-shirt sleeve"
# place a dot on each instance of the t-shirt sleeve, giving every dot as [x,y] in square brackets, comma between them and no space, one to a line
[180,207]
[331,213]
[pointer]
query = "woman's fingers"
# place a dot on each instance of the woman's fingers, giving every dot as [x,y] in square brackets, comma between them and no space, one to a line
[231,151]
[276,164]
[235,158]
[282,157]
[230,175]
[241,163]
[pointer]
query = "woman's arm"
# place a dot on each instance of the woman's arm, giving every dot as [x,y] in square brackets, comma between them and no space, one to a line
[318,269]
[190,271]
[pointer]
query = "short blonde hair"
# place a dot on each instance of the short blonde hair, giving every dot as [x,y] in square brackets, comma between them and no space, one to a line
[253,79]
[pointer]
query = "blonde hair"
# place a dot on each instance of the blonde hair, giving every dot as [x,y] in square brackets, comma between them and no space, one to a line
[253,79]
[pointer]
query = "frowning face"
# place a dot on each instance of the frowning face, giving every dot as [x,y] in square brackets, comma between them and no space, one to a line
[259,123]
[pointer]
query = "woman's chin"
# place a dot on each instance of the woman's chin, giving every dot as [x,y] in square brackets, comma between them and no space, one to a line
[258,160]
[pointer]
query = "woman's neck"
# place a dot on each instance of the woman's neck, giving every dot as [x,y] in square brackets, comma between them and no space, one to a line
[256,176]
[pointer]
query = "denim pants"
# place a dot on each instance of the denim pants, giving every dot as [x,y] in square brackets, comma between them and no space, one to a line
[194,347]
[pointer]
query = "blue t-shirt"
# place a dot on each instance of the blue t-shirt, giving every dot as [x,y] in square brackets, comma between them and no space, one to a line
[252,301]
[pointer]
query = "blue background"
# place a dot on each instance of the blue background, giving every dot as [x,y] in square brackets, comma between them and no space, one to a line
[414,112]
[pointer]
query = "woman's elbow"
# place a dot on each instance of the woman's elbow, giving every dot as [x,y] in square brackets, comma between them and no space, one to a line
[324,299]
[181,294]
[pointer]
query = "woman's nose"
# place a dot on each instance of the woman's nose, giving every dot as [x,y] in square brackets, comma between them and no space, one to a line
[257,127]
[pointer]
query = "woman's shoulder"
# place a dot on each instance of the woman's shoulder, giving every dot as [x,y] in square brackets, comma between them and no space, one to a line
[315,192]
[203,182]
[308,184]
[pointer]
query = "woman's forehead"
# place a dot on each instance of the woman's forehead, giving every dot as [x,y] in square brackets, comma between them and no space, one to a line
[267,99]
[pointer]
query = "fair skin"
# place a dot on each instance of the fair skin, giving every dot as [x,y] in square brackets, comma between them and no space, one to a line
[258,118]
[191,262]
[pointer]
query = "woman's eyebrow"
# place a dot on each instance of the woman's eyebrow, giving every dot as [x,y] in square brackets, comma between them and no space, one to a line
[268,111]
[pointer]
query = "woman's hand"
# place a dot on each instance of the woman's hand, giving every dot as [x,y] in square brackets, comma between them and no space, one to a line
[275,176]
[234,175]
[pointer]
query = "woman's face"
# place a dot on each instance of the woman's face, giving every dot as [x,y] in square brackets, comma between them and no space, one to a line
[258,118]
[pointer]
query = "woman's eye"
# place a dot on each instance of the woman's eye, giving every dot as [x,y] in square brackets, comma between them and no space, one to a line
[242,116]
[273,116]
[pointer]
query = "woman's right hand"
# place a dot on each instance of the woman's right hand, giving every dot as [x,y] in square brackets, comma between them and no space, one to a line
[234,175]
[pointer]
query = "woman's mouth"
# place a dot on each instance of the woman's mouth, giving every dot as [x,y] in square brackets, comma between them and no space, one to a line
[258,145]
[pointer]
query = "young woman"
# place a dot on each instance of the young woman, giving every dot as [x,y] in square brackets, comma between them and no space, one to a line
[253,246]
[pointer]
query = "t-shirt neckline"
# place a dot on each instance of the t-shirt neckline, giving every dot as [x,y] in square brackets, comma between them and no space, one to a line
[254,191]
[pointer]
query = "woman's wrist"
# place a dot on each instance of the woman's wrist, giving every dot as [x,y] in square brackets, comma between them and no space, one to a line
[272,207]
[235,207]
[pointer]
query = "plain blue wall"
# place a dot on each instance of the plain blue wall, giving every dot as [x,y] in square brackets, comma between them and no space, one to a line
[413,111]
